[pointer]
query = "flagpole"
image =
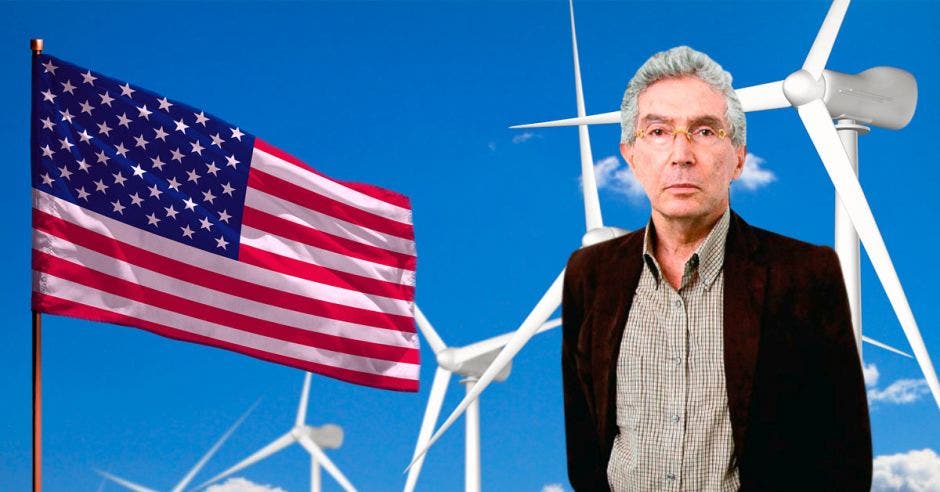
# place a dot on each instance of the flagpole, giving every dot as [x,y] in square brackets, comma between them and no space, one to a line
[36,46]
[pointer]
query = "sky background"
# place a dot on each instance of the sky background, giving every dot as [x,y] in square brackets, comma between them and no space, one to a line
[418,97]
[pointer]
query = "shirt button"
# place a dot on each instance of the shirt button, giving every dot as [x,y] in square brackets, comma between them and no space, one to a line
[671,477]
[674,419]
[677,303]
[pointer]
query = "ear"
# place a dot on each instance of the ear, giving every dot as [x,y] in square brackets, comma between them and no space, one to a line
[741,154]
[626,150]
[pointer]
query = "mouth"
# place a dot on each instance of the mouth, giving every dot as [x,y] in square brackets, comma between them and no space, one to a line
[682,187]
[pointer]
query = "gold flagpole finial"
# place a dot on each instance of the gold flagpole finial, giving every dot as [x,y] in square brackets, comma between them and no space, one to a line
[35,44]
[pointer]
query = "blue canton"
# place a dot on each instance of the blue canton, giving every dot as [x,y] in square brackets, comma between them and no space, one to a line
[139,158]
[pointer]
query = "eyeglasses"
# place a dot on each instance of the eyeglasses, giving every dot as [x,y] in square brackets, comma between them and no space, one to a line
[661,135]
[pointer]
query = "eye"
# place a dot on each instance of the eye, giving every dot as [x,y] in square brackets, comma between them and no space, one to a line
[658,131]
[704,131]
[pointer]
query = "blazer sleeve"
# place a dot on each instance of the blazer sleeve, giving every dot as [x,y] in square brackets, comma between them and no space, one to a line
[845,454]
[585,470]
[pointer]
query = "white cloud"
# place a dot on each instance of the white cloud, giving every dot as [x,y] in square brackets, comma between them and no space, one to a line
[524,136]
[610,173]
[913,471]
[871,375]
[900,391]
[239,484]
[754,176]
[553,487]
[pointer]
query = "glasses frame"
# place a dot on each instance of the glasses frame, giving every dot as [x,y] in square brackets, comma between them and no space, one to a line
[640,134]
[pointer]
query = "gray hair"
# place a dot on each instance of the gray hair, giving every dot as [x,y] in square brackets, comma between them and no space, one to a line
[681,61]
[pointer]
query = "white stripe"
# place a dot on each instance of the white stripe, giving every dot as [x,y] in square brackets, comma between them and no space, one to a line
[316,256]
[194,256]
[292,212]
[82,294]
[292,173]
[66,250]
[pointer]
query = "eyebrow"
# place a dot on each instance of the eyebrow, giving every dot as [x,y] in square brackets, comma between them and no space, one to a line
[709,120]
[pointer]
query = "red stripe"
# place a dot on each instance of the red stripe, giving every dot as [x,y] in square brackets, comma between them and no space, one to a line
[299,195]
[44,262]
[54,305]
[301,269]
[324,240]
[216,281]
[387,196]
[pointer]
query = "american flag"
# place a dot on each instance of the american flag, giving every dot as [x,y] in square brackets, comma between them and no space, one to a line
[154,214]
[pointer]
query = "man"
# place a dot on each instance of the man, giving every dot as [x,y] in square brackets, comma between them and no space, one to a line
[702,353]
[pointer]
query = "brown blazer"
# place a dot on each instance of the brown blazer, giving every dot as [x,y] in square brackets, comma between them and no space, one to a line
[795,390]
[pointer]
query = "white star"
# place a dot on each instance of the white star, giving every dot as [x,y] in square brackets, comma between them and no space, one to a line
[119,178]
[86,107]
[155,191]
[187,232]
[120,150]
[83,166]
[224,216]
[217,140]
[68,87]
[89,78]
[201,118]
[177,155]
[207,196]
[50,68]
[181,126]
[104,128]
[106,98]
[157,163]
[66,116]
[46,179]
[173,184]
[164,104]
[123,120]
[221,242]
[213,170]
[103,158]
[47,95]
[47,151]
[205,224]
[100,186]
[189,204]
[232,161]
[170,212]
[161,133]
[141,142]
[144,112]
[193,176]
[47,123]
[138,170]
[197,148]
[237,134]
[136,199]
[227,189]
[66,145]
[126,90]
[64,172]
[82,194]
[152,219]
[84,136]
[118,207]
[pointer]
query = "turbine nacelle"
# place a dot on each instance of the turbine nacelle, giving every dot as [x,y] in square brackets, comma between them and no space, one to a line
[328,436]
[601,234]
[454,360]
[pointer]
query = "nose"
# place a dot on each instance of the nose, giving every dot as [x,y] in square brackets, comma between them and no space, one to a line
[682,154]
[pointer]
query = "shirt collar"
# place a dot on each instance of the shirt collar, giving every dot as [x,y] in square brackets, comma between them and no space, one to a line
[708,257]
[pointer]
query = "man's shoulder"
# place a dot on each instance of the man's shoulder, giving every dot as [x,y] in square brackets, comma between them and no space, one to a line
[776,247]
[605,253]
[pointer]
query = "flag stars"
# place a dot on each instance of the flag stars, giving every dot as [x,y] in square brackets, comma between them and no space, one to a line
[157,163]
[155,191]
[220,242]
[152,219]
[106,98]
[66,116]
[227,189]
[171,212]
[144,112]
[119,178]
[102,158]
[189,204]
[47,95]
[84,136]
[47,123]
[181,126]
[237,134]
[161,133]
[141,142]
[86,107]
[207,196]
[120,150]
[193,176]
[64,172]
[164,104]
[104,129]
[138,170]
[46,179]
[66,145]
[177,155]
[187,232]
[50,68]
[205,224]
[197,148]
[136,199]
[224,216]
[88,78]
[212,169]
[47,151]
[201,118]
[232,161]
[68,87]
[82,194]
[173,184]
[217,140]
[126,90]
[124,121]
[100,186]
[83,166]
[118,207]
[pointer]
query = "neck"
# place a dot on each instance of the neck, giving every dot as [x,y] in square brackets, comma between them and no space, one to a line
[678,237]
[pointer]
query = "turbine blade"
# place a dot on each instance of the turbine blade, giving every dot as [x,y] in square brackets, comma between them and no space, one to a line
[763,97]
[594,119]
[592,204]
[431,412]
[127,484]
[542,310]
[325,462]
[818,123]
[477,349]
[275,446]
[825,38]
[302,407]
[215,447]
[434,340]
[886,347]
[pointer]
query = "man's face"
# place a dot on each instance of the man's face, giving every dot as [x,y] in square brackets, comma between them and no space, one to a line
[683,179]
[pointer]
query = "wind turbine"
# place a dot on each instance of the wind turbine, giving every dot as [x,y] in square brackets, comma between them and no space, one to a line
[313,439]
[596,232]
[881,96]
[195,469]
[468,361]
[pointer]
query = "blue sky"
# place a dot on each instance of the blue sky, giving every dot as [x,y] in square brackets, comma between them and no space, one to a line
[418,97]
